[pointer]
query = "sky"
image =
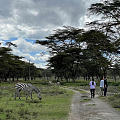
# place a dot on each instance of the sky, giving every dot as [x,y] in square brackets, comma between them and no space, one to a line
[24,21]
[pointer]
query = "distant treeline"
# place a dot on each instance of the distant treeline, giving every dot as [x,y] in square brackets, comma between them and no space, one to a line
[12,67]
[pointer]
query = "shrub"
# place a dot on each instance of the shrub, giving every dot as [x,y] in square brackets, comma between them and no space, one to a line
[8,111]
[1,110]
[114,101]
[23,112]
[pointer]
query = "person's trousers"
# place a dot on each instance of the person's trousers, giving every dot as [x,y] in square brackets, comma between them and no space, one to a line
[92,91]
[105,91]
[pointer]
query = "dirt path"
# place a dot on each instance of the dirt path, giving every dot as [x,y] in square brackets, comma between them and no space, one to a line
[84,108]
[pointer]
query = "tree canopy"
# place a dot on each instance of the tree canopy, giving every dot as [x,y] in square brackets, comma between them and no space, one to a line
[77,52]
[109,22]
[11,66]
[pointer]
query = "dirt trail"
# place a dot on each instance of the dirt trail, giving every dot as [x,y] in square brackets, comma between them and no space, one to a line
[84,108]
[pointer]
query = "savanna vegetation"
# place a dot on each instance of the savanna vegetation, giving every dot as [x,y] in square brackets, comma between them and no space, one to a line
[55,104]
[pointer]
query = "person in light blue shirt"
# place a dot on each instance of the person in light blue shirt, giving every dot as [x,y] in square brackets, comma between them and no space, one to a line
[102,86]
[92,88]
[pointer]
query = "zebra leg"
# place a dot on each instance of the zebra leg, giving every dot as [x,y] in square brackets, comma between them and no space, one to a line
[27,95]
[31,95]
[17,94]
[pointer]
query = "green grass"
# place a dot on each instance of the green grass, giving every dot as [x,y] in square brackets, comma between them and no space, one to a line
[85,100]
[90,104]
[114,101]
[77,83]
[55,105]
[112,83]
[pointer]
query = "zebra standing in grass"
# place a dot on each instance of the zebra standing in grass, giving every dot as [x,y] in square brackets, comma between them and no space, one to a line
[28,89]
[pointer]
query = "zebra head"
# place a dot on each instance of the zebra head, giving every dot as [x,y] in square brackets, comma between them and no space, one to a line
[38,92]
[39,96]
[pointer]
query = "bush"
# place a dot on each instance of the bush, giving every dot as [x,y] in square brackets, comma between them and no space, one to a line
[114,83]
[23,112]
[114,101]
[80,83]
[1,110]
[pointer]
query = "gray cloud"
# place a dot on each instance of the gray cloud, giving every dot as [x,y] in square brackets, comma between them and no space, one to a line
[36,19]
[41,16]
[5,8]
[44,12]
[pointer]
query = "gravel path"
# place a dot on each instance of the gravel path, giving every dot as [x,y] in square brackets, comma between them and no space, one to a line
[85,108]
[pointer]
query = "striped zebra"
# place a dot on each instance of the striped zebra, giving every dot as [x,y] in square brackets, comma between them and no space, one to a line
[28,89]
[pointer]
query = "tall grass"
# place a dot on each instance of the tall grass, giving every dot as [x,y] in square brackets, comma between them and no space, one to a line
[55,104]
[114,101]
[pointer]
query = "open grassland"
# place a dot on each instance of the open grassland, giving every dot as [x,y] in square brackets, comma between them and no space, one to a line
[55,104]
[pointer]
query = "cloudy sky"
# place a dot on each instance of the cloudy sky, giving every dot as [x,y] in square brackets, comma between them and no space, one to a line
[24,21]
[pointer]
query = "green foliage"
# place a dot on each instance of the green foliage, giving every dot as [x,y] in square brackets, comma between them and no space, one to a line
[109,21]
[85,100]
[23,112]
[114,83]
[115,101]
[79,83]
[72,60]
[13,67]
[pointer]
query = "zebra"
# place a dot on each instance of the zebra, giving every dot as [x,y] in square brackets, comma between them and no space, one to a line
[28,89]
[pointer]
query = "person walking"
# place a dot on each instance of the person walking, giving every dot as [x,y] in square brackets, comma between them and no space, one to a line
[105,87]
[92,88]
[102,86]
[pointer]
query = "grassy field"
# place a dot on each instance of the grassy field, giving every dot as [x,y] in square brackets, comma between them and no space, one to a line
[55,104]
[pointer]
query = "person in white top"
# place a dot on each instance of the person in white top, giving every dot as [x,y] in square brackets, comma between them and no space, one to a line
[92,88]
[102,86]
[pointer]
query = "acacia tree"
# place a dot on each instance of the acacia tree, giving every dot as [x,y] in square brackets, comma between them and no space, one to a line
[62,39]
[96,53]
[9,44]
[3,62]
[109,22]
[60,45]
[11,66]
[75,50]
[64,65]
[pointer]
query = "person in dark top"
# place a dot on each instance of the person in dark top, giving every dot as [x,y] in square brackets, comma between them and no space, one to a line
[105,87]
